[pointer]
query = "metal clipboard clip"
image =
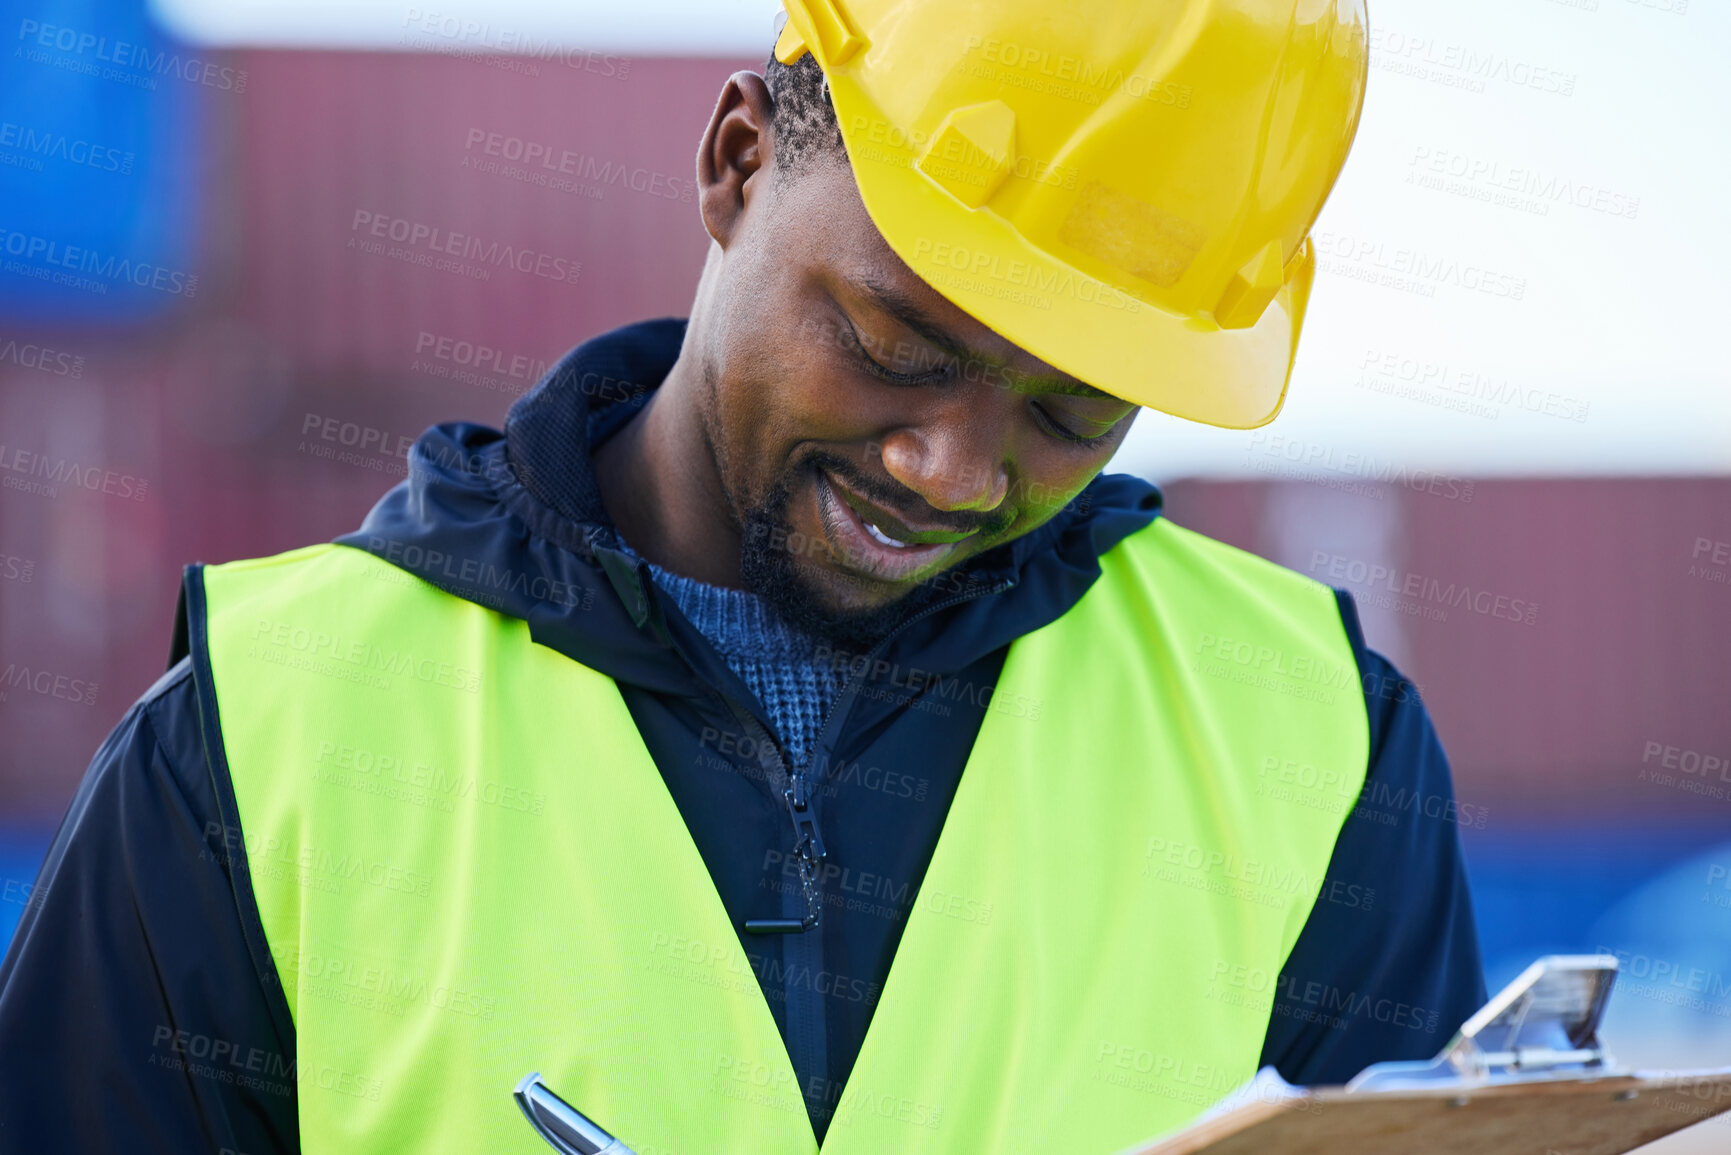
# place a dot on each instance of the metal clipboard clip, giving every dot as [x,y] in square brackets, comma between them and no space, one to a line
[1544,1025]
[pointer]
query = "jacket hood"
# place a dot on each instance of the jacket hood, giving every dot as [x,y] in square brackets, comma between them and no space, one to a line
[513,521]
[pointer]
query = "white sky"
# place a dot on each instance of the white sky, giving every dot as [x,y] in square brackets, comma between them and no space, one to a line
[1620,319]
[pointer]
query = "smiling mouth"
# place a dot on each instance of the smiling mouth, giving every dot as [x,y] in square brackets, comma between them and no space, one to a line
[874,543]
[888,529]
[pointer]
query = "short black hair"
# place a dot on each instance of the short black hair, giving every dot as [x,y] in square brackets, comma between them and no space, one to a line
[804,123]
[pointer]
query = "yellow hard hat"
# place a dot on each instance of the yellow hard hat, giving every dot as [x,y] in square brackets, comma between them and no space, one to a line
[1123,188]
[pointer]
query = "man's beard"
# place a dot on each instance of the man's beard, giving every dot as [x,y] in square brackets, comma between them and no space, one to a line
[769,565]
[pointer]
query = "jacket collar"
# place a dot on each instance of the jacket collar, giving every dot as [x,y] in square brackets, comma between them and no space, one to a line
[588,395]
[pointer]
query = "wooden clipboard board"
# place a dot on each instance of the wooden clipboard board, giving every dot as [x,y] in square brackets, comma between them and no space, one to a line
[1607,1115]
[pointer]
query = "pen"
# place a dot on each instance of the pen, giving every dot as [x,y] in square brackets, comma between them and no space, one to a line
[565,1128]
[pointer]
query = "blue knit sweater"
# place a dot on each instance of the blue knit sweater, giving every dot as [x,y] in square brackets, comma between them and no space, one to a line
[784,666]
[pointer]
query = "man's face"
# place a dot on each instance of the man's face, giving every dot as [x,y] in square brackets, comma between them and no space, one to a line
[870,435]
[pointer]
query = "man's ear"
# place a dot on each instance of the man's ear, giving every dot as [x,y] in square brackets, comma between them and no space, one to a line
[736,147]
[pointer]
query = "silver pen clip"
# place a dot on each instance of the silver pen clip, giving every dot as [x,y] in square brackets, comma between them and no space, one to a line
[566,1129]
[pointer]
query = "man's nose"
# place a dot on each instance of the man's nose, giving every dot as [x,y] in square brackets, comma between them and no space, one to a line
[955,465]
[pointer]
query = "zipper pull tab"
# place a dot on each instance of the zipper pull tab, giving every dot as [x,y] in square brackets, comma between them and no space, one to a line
[808,846]
[807,839]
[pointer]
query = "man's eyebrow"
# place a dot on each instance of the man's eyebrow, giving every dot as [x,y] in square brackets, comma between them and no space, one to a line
[910,315]
[899,306]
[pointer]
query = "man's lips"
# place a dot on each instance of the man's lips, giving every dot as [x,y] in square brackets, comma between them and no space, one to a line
[874,543]
[889,525]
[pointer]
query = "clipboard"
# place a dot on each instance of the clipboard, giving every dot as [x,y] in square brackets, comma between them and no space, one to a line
[1524,1076]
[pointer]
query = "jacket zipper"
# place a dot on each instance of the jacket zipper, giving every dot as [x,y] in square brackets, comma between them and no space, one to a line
[803,1013]
[799,789]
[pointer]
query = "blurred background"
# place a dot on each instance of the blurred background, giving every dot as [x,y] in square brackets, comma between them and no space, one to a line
[1509,434]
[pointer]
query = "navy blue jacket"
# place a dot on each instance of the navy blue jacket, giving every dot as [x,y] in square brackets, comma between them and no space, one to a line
[139,1006]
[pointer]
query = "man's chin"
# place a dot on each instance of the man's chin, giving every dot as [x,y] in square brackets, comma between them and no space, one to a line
[848,612]
[815,591]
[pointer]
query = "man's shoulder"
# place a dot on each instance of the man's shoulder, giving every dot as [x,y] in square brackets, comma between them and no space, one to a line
[1245,606]
[171,688]
[314,572]
[1244,592]
[161,742]
[1167,537]
[305,557]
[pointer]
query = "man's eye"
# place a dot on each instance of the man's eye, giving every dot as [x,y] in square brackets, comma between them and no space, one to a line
[1063,432]
[878,369]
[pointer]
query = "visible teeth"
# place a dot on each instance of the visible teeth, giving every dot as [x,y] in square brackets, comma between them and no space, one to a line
[883,538]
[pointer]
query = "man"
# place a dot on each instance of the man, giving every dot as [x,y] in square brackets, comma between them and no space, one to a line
[781,735]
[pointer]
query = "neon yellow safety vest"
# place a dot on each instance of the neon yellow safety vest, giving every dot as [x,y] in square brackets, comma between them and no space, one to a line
[468,867]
